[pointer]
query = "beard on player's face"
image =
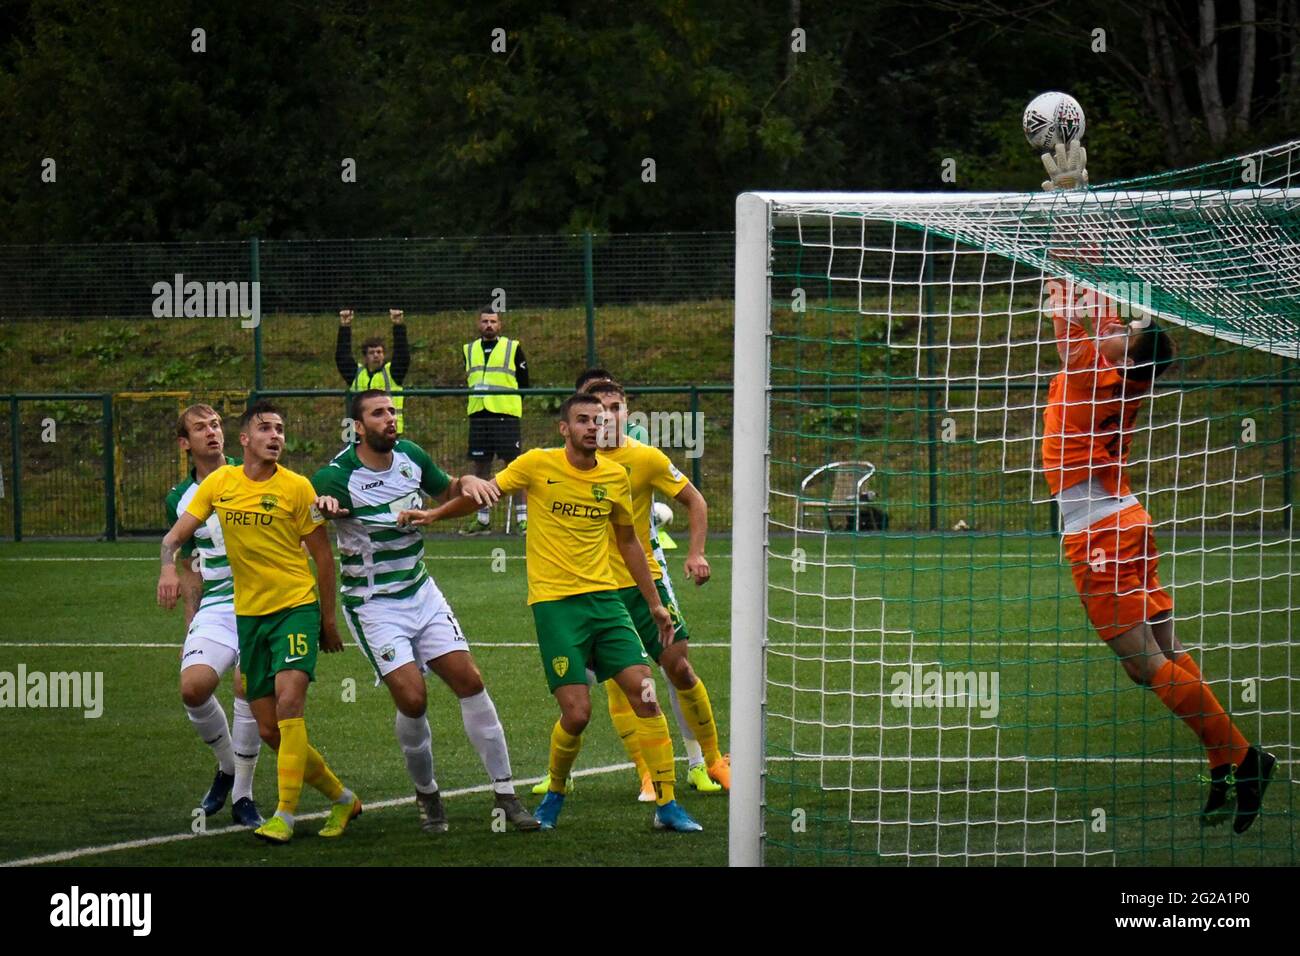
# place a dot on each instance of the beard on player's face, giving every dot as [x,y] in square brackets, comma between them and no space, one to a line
[381,440]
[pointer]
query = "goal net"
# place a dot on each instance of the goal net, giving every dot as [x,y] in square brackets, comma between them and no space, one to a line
[915,679]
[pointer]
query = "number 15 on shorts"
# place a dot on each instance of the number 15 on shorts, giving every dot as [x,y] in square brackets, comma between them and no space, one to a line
[297,646]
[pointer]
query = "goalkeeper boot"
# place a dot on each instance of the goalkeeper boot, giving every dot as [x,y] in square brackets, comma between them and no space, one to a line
[244,812]
[1253,778]
[341,814]
[544,787]
[514,811]
[720,771]
[433,815]
[276,830]
[1218,805]
[671,816]
[216,796]
[699,779]
[522,525]
[548,811]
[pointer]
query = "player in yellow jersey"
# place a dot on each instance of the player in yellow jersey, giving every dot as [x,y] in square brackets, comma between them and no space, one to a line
[267,513]
[649,470]
[574,496]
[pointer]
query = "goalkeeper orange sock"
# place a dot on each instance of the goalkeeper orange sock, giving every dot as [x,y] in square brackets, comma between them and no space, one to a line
[699,714]
[657,748]
[291,763]
[564,751]
[1188,663]
[1193,701]
[624,719]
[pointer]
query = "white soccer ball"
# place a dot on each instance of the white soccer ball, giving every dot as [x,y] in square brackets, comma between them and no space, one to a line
[663,514]
[1052,118]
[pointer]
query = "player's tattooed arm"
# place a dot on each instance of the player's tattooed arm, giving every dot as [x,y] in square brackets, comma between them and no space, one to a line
[169,580]
[630,548]
[697,565]
[318,546]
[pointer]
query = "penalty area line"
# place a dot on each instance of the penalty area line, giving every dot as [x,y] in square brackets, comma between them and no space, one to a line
[78,853]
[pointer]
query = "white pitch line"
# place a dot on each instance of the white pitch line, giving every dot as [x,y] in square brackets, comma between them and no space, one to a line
[65,855]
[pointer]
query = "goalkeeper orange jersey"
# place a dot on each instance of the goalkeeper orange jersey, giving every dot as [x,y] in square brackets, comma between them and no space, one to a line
[1089,419]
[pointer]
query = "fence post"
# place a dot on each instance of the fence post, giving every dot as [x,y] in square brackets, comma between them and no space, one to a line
[699,439]
[255,272]
[110,468]
[927,304]
[589,283]
[15,436]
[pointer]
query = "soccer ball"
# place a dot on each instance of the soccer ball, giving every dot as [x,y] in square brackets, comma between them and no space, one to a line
[1052,118]
[663,514]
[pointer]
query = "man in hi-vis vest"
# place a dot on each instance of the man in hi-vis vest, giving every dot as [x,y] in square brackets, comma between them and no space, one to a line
[493,364]
[377,372]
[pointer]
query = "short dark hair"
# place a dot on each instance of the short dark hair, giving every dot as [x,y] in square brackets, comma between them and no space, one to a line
[262,406]
[591,375]
[1151,354]
[489,309]
[581,398]
[374,340]
[606,387]
[359,399]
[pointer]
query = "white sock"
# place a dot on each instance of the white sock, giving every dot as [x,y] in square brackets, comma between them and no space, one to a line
[694,753]
[247,744]
[209,722]
[521,512]
[484,515]
[416,741]
[485,732]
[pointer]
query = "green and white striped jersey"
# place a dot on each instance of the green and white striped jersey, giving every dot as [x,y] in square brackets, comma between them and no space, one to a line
[378,558]
[214,567]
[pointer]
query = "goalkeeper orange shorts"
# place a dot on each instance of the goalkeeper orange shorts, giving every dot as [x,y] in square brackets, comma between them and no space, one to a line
[1114,563]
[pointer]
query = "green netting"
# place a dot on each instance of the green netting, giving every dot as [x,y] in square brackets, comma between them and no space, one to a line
[913,540]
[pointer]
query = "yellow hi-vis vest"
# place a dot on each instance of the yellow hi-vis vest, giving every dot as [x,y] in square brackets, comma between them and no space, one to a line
[381,379]
[487,379]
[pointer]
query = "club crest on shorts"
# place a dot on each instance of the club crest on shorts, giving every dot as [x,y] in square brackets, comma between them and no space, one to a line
[269,502]
[388,652]
[599,491]
[560,665]
[406,471]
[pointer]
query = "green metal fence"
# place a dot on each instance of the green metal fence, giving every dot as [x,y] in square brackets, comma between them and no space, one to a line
[100,464]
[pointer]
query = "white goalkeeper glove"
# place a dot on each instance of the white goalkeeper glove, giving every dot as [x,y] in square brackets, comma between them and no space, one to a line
[1067,169]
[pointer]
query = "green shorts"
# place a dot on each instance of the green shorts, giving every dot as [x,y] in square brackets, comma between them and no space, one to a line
[644,621]
[282,641]
[583,628]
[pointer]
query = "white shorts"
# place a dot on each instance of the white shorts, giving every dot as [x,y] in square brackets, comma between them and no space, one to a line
[396,631]
[212,639]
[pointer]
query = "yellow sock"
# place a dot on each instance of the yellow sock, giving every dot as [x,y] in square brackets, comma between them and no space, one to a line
[564,751]
[624,718]
[320,776]
[699,714]
[291,763]
[657,748]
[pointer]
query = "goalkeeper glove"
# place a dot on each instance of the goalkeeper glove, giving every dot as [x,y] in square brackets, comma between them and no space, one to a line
[1067,169]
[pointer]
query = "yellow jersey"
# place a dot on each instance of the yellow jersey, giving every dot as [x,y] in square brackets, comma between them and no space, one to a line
[263,523]
[648,470]
[569,516]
